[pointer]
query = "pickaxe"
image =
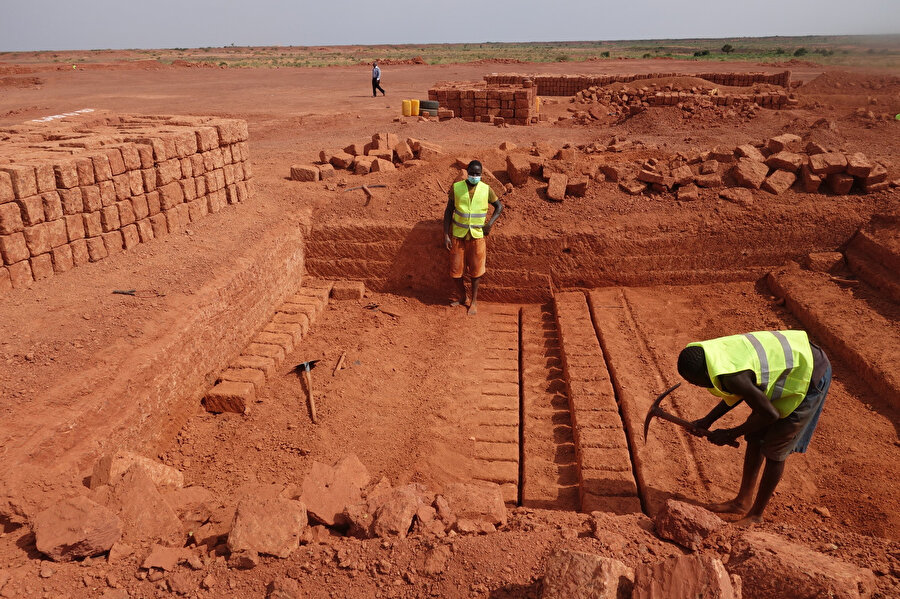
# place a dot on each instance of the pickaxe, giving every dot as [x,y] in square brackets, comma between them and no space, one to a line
[657,411]
[305,369]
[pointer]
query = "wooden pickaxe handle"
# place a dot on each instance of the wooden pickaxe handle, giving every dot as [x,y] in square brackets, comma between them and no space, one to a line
[659,413]
[309,394]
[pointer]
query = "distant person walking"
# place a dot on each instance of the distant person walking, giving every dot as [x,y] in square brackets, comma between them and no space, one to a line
[376,80]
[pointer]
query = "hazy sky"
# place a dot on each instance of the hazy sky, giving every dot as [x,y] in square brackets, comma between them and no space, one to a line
[96,24]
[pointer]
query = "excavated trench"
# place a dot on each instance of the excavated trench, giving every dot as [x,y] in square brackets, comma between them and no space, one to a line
[559,400]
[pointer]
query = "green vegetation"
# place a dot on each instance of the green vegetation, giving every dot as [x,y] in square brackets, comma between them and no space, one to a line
[872,51]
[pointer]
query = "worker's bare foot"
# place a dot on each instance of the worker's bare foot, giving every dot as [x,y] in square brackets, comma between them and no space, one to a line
[457,302]
[749,520]
[728,507]
[473,309]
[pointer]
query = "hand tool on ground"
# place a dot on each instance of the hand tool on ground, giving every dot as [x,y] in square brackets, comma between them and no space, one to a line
[366,190]
[340,363]
[363,187]
[657,411]
[376,307]
[136,293]
[305,369]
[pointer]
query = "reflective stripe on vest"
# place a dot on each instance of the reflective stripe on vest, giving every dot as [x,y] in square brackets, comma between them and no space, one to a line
[781,361]
[470,211]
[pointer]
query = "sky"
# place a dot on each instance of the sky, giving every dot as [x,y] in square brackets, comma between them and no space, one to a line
[116,24]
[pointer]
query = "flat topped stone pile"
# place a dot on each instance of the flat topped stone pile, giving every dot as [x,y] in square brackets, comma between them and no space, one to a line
[488,103]
[569,85]
[78,190]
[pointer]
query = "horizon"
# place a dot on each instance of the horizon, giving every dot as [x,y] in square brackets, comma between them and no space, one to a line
[839,38]
[46,25]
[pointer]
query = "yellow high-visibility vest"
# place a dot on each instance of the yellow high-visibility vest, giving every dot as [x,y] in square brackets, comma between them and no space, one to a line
[782,362]
[470,212]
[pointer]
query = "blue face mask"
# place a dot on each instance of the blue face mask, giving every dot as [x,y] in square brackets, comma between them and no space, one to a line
[473,179]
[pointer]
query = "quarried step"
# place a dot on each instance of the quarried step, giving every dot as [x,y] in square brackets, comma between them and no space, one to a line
[606,479]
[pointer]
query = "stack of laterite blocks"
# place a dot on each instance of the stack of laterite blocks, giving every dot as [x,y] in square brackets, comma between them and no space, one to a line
[77,192]
[569,85]
[511,104]
[242,382]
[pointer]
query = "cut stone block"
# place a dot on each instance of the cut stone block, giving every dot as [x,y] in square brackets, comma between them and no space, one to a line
[748,173]
[286,342]
[382,164]
[839,183]
[710,180]
[825,261]
[577,187]
[342,159]
[809,180]
[689,193]
[265,365]
[632,186]
[779,182]
[828,163]
[229,396]
[245,375]
[556,187]
[305,172]
[786,161]
[296,331]
[751,152]
[518,168]
[348,290]
[787,141]
[276,352]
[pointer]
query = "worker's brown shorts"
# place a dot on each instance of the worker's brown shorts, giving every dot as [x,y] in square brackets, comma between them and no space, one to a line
[467,255]
[793,433]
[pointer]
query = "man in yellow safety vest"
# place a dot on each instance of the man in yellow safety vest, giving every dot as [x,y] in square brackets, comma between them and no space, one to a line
[465,229]
[784,379]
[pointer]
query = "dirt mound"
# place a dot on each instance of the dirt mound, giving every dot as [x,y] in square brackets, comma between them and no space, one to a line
[789,63]
[396,61]
[498,61]
[844,82]
[15,69]
[193,65]
[21,82]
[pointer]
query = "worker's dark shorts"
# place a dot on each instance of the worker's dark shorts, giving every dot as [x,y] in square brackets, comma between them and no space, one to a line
[793,433]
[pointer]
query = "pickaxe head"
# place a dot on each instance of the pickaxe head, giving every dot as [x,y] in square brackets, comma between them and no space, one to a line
[306,366]
[654,409]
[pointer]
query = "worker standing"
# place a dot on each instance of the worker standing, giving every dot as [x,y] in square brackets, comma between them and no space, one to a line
[376,79]
[784,379]
[465,229]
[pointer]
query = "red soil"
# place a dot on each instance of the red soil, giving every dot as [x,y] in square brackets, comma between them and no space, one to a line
[394,406]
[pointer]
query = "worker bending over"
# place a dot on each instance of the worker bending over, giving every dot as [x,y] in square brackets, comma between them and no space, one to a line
[784,379]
